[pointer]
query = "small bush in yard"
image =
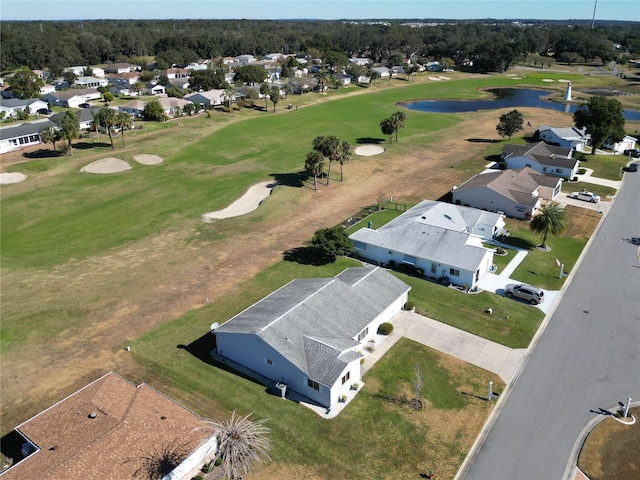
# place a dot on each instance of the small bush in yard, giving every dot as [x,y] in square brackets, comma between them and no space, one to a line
[408,306]
[385,328]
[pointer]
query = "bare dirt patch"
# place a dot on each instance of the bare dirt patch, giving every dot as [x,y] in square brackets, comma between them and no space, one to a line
[106,165]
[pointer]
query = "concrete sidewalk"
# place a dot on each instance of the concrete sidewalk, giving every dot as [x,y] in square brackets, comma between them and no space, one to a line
[483,353]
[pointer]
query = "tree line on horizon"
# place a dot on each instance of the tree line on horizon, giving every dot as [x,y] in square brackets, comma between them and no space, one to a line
[494,46]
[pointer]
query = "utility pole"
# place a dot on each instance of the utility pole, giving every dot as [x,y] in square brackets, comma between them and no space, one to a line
[593,20]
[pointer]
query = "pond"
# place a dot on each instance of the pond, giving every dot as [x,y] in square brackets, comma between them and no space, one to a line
[504,98]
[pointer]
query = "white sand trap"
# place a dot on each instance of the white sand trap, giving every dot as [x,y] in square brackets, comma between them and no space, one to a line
[368,150]
[245,204]
[515,78]
[564,80]
[548,80]
[511,74]
[444,78]
[146,159]
[9,178]
[107,165]
[435,79]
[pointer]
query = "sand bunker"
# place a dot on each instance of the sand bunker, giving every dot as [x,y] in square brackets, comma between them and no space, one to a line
[146,159]
[245,204]
[443,77]
[368,150]
[515,78]
[435,79]
[548,80]
[107,165]
[564,80]
[9,178]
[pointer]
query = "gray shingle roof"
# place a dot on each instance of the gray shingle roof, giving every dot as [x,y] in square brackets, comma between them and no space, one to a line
[313,322]
[24,129]
[543,154]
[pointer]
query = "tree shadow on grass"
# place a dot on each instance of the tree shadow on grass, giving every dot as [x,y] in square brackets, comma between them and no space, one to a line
[308,256]
[43,153]
[370,140]
[292,179]
[87,145]
[520,242]
[482,140]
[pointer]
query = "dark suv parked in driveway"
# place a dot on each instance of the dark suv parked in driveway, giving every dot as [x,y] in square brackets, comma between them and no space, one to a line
[632,152]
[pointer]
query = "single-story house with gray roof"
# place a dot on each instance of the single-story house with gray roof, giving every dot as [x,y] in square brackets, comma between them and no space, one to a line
[543,158]
[567,137]
[309,333]
[441,239]
[11,106]
[516,193]
[23,135]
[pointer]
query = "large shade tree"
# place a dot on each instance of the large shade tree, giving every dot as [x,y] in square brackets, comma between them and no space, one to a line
[25,84]
[510,123]
[331,242]
[603,119]
[550,220]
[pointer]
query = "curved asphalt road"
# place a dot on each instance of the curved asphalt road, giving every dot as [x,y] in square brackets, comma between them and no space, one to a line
[587,359]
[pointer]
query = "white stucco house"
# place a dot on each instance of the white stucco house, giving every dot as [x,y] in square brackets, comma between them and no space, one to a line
[516,193]
[627,143]
[71,98]
[11,106]
[543,158]
[90,82]
[440,239]
[209,98]
[567,137]
[308,334]
[22,135]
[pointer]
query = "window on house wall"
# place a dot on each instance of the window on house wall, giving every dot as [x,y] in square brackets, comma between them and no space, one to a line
[363,334]
[558,170]
[313,384]
[346,377]
[409,259]
[434,268]
[528,165]
[360,245]
[544,169]
[268,361]
[454,272]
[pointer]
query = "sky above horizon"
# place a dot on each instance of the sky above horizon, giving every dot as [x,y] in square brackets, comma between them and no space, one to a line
[624,10]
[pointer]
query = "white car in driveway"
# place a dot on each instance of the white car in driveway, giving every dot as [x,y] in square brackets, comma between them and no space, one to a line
[585,196]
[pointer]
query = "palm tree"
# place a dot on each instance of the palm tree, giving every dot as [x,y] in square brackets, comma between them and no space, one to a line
[274,95]
[123,120]
[48,135]
[69,128]
[387,128]
[549,220]
[230,94]
[314,165]
[329,147]
[373,76]
[345,155]
[106,117]
[241,441]
[323,77]
[398,120]
[264,90]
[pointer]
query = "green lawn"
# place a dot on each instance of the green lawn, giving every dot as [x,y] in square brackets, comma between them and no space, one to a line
[604,166]
[539,267]
[377,432]
[78,215]
[604,192]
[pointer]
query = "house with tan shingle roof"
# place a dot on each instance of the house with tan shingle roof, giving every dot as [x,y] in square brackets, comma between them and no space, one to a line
[516,193]
[108,430]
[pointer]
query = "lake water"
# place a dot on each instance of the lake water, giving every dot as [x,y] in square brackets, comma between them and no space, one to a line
[504,98]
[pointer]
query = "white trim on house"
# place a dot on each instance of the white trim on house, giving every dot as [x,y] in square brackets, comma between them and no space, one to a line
[308,333]
[441,239]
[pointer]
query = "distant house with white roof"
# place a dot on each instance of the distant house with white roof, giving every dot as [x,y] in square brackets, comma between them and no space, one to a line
[440,239]
[308,335]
